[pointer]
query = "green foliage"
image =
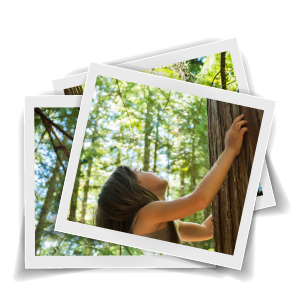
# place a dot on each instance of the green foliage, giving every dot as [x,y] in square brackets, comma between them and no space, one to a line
[210,72]
[125,117]
[55,243]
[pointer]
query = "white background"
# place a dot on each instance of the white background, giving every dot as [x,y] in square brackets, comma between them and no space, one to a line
[45,41]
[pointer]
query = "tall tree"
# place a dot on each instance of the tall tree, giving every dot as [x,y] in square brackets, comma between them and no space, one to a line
[74,198]
[156,143]
[228,204]
[42,223]
[148,129]
[86,191]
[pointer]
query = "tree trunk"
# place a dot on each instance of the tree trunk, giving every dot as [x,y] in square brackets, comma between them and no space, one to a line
[148,130]
[182,186]
[227,207]
[192,166]
[42,224]
[118,160]
[156,141]
[86,191]
[207,212]
[77,90]
[222,70]
[228,204]
[73,204]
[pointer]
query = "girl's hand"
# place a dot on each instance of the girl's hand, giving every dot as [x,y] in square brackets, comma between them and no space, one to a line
[234,135]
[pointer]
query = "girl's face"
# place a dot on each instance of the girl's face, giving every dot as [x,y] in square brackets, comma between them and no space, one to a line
[152,182]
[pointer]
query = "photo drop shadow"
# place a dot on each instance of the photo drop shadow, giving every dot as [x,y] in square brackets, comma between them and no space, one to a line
[22,274]
[148,54]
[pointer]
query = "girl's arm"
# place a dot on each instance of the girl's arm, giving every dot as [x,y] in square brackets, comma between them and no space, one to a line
[192,232]
[164,211]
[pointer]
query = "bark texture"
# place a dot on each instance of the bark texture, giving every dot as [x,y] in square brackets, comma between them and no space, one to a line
[227,207]
[76,90]
[73,204]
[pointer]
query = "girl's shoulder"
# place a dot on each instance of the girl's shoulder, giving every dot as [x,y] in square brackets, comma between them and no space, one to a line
[141,224]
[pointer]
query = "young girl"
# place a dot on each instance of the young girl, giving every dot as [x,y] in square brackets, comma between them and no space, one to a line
[134,201]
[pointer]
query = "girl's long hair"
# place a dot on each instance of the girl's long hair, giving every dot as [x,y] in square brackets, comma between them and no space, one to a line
[120,199]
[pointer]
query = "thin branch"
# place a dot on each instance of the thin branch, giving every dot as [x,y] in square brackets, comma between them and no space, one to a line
[168,98]
[40,141]
[52,142]
[197,118]
[231,82]
[41,114]
[214,79]
[127,250]
[108,100]
[217,86]
[126,109]
[217,74]
[61,144]
[62,239]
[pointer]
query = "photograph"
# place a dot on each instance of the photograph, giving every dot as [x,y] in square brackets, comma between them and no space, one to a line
[190,137]
[144,144]
[52,131]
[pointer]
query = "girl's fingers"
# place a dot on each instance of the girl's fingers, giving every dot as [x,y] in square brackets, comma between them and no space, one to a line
[243,130]
[237,119]
[239,124]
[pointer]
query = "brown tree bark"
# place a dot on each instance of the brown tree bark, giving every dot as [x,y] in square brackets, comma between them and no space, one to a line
[76,90]
[227,207]
[42,224]
[222,70]
[73,204]
[207,212]
[86,191]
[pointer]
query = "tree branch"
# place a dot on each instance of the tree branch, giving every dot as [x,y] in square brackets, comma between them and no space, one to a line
[41,114]
[168,98]
[126,110]
[61,144]
[217,74]
[52,142]
[197,118]
[40,141]
[127,250]
[214,79]
[231,82]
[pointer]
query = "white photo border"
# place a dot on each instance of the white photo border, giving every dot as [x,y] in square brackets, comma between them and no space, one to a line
[264,201]
[233,261]
[59,262]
